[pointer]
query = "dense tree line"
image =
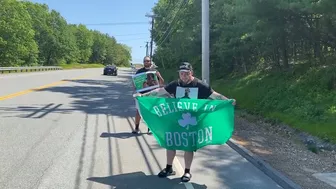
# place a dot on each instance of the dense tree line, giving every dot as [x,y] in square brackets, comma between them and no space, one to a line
[276,57]
[247,34]
[32,34]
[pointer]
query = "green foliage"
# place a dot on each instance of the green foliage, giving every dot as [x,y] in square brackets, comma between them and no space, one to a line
[304,101]
[16,35]
[277,57]
[31,34]
[80,66]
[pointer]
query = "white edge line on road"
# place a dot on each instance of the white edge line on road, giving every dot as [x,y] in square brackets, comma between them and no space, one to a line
[180,171]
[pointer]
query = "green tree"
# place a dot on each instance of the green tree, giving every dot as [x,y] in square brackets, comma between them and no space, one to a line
[32,34]
[16,35]
[84,40]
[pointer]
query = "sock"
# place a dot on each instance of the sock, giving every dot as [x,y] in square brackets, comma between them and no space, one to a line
[136,126]
[169,167]
[186,170]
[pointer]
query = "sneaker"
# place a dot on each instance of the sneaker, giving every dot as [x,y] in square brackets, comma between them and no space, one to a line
[165,173]
[136,131]
[149,132]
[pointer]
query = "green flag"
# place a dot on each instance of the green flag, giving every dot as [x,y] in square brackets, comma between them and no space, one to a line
[145,81]
[188,124]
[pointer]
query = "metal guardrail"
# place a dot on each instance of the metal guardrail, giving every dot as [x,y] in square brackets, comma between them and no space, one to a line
[26,69]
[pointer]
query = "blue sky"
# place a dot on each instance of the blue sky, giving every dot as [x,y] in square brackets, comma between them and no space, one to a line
[110,11]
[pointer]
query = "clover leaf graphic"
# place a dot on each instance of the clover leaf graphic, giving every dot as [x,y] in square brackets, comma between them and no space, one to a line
[187,121]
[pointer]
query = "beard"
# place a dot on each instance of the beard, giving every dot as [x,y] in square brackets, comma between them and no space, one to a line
[147,65]
[186,81]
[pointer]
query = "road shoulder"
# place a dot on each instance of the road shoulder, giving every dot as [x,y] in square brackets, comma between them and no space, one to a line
[283,150]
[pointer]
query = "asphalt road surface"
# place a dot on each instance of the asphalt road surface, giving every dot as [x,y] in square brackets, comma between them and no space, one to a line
[74,132]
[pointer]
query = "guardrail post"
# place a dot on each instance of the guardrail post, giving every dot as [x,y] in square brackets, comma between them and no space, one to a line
[22,69]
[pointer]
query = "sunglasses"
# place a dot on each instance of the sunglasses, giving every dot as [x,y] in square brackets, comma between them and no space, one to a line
[185,73]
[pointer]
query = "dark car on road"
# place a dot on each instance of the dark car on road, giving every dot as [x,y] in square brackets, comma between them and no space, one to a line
[111,70]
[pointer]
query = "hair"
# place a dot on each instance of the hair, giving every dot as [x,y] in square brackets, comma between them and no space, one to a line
[150,75]
[146,57]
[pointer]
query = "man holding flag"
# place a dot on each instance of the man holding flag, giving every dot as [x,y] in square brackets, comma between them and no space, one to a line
[147,67]
[186,121]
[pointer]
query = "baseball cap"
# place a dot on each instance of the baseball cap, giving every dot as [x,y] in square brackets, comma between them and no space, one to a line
[185,66]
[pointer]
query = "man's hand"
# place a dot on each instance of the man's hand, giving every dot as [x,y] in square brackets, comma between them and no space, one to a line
[137,94]
[161,80]
[217,96]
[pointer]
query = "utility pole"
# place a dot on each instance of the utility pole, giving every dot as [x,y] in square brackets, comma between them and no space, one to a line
[151,43]
[205,42]
[147,48]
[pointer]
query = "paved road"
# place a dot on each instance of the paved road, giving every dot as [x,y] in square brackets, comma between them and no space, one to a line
[75,134]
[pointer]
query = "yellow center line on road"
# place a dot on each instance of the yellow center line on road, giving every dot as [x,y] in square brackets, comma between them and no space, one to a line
[39,88]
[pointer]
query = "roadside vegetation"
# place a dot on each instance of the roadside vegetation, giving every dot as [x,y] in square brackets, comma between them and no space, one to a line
[33,35]
[276,57]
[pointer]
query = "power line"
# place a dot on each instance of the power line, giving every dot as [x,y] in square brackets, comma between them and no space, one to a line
[130,34]
[157,35]
[163,23]
[163,38]
[169,27]
[132,39]
[116,23]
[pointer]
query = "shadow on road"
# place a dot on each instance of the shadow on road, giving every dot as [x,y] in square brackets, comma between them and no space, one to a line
[124,135]
[99,97]
[36,111]
[141,181]
[88,96]
[114,98]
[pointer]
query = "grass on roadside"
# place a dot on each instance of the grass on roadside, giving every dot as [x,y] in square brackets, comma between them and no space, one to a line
[80,66]
[304,99]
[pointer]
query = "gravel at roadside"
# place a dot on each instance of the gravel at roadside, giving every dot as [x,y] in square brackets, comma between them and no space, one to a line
[284,150]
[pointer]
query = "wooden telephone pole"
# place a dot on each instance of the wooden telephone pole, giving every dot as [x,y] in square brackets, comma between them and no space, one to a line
[151,42]
[147,48]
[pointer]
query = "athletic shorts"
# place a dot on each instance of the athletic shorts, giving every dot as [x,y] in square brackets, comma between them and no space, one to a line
[136,104]
[136,101]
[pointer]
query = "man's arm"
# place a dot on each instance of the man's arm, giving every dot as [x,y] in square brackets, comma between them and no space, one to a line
[156,92]
[163,91]
[217,96]
[161,80]
[134,88]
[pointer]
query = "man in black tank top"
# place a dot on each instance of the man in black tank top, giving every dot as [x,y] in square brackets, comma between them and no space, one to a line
[187,86]
[147,67]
